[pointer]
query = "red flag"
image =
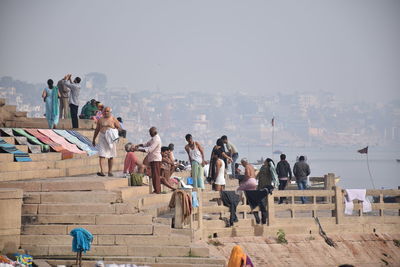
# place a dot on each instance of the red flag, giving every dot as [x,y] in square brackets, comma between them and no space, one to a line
[273,121]
[363,151]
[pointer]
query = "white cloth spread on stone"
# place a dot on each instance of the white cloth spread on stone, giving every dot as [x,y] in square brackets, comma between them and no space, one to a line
[359,194]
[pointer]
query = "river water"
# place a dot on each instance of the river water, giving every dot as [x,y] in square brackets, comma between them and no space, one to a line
[347,163]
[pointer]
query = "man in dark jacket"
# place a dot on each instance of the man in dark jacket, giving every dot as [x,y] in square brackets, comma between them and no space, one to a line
[284,174]
[301,170]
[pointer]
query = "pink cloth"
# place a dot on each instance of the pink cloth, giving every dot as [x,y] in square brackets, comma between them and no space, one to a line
[130,162]
[249,184]
[60,140]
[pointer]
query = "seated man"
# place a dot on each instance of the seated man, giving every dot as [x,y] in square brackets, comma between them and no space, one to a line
[131,161]
[89,109]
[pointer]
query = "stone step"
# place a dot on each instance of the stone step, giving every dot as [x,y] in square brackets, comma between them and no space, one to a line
[6,157]
[90,261]
[81,208]
[73,167]
[125,240]
[233,232]
[41,123]
[49,156]
[131,192]
[20,114]
[212,224]
[94,229]
[119,250]
[26,166]
[31,174]
[10,108]
[88,219]
[82,183]
[218,209]
[71,197]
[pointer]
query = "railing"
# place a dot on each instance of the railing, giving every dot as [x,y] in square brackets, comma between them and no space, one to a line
[327,204]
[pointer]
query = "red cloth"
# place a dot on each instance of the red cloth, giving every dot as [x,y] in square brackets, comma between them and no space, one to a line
[130,162]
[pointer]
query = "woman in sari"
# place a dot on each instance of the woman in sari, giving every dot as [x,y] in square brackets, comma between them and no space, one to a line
[239,259]
[50,96]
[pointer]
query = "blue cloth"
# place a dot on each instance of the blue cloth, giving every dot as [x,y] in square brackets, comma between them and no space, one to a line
[52,106]
[189,180]
[82,240]
[195,200]
[18,154]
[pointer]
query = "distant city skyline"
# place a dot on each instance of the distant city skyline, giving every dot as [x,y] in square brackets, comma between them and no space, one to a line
[349,48]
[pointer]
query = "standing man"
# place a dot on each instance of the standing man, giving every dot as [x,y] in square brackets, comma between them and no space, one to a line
[196,158]
[301,170]
[284,174]
[153,147]
[107,149]
[64,98]
[75,89]
[233,152]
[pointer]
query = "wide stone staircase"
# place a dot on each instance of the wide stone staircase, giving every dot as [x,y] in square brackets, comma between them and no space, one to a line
[122,219]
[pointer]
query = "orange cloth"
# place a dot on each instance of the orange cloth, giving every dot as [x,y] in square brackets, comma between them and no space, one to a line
[186,203]
[238,257]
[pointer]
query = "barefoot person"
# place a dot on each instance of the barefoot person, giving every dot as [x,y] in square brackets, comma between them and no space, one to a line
[106,128]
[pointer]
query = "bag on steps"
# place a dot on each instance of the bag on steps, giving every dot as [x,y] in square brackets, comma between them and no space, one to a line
[136,179]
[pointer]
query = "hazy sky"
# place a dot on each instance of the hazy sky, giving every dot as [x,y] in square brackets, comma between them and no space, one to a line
[348,47]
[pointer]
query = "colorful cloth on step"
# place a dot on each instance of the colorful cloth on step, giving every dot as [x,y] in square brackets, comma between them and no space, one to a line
[61,140]
[82,240]
[31,139]
[83,138]
[73,139]
[21,140]
[24,259]
[7,131]
[43,138]
[65,154]
[18,154]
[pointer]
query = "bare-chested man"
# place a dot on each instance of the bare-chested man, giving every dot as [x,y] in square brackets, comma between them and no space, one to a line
[249,182]
[106,150]
[196,158]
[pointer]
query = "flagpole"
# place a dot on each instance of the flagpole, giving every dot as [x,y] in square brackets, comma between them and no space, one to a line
[370,175]
[272,142]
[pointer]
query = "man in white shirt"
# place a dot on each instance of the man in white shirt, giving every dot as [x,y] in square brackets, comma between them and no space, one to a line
[75,89]
[153,148]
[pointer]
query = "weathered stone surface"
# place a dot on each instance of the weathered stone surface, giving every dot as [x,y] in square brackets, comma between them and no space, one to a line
[123,219]
[59,219]
[29,209]
[173,240]
[85,208]
[45,230]
[117,230]
[106,240]
[158,251]
[79,197]
[161,230]
[6,157]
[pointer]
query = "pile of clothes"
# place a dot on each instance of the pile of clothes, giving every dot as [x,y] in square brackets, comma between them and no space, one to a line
[21,260]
